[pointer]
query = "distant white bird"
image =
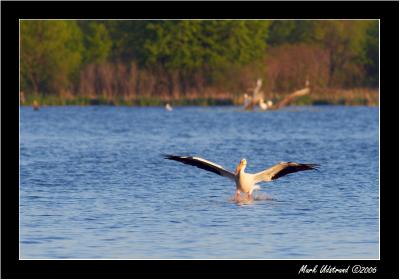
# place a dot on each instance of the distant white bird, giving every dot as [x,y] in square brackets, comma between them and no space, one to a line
[257,94]
[245,182]
[263,105]
[168,107]
[259,84]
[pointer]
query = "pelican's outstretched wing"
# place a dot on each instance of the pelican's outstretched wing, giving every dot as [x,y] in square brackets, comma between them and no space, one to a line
[203,164]
[281,169]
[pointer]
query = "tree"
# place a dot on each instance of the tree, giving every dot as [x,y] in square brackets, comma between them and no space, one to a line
[207,46]
[344,40]
[128,40]
[97,42]
[352,46]
[290,32]
[50,55]
[371,59]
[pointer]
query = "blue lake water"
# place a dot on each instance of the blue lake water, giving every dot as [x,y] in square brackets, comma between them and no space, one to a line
[93,183]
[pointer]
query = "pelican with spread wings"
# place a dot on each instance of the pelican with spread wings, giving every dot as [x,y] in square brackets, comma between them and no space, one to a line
[245,182]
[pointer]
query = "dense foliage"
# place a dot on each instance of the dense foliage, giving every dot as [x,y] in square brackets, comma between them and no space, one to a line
[199,57]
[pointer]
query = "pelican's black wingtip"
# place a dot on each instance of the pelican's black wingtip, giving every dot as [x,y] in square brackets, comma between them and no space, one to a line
[171,157]
[167,156]
[313,166]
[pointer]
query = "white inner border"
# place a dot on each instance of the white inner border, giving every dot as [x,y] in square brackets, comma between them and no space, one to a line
[379,139]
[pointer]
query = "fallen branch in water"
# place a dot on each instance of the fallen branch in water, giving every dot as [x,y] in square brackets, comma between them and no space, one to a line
[290,98]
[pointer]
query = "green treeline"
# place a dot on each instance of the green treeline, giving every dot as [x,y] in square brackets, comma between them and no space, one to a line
[131,60]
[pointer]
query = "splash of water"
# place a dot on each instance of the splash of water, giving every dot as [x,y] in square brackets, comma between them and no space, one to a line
[243,199]
[263,196]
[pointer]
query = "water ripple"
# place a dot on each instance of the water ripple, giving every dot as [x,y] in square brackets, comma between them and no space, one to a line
[93,183]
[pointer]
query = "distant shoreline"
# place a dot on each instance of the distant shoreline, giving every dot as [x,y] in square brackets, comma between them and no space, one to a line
[349,97]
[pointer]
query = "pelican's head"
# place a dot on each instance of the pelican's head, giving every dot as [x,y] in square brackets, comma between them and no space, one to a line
[242,165]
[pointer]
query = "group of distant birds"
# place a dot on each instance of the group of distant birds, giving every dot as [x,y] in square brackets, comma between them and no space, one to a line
[251,102]
[257,98]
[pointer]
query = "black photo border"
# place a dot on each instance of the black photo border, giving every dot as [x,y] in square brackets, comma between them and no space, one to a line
[11,12]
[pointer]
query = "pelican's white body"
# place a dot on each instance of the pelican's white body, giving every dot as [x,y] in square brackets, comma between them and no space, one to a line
[168,107]
[244,182]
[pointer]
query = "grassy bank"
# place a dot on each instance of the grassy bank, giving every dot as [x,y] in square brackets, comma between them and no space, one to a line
[359,96]
[145,101]
[350,97]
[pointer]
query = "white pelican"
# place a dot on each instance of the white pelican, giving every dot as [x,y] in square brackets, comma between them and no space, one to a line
[265,106]
[262,104]
[168,107]
[245,182]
